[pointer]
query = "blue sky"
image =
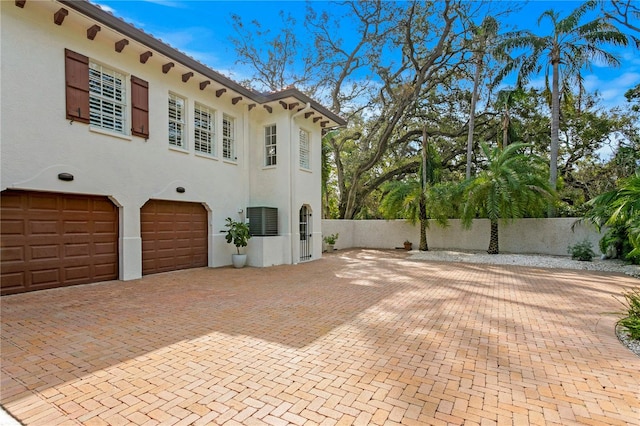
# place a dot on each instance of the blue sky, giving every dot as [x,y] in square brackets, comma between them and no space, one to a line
[201,29]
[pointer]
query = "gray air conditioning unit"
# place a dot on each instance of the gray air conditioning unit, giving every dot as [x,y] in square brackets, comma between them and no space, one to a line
[263,221]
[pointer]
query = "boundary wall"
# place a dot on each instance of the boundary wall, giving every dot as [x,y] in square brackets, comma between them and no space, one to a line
[539,236]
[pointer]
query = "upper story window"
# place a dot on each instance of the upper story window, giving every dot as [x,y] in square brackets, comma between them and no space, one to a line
[228,137]
[177,121]
[305,150]
[270,148]
[203,133]
[96,95]
[107,99]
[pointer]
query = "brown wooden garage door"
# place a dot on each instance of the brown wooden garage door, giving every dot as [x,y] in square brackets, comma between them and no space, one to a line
[53,240]
[174,236]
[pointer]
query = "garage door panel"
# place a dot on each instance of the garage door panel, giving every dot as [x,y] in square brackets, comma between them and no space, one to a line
[106,248]
[76,227]
[12,227]
[76,272]
[76,250]
[48,241]
[12,280]
[172,235]
[43,227]
[12,254]
[165,245]
[103,227]
[44,278]
[43,252]
[76,204]
[182,243]
[106,268]
[43,201]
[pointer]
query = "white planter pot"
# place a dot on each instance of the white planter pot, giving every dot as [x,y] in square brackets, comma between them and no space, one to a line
[239,260]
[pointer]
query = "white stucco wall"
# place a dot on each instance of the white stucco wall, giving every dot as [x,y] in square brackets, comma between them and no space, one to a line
[543,236]
[37,142]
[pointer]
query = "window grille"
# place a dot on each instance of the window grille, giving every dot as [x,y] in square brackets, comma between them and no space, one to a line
[270,145]
[203,123]
[107,94]
[304,149]
[176,121]
[228,135]
[306,233]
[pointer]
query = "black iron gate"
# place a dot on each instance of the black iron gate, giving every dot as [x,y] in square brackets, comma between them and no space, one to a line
[305,233]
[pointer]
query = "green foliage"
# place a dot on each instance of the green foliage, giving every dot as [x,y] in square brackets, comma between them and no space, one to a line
[512,185]
[620,210]
[237,233]
[331,238]
[565,51]
[631,323]
[633,96]
[582,251]
[419,198]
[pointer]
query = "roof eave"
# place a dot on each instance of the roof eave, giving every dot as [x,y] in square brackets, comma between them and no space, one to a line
[95,12]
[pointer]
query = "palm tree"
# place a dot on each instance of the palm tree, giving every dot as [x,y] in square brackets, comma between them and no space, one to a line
[512,185]
[620,210]
[419,199]
[506,99]
[568,49]
[484,36]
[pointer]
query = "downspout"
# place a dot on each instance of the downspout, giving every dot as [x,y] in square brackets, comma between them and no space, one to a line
[292,169]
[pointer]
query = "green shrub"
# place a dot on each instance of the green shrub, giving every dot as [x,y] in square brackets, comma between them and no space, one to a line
[618,238]
[331,239]
[582,251]
[632,322]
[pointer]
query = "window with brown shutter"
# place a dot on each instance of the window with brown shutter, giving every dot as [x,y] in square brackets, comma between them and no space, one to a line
[77,86]
[139,107]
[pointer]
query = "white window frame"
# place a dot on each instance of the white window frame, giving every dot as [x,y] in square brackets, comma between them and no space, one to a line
[107,99]
[304,137]
[204,136]
[228,137]
[270,145]
[178,119]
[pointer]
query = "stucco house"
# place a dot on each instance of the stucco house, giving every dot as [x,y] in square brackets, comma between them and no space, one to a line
[122,156]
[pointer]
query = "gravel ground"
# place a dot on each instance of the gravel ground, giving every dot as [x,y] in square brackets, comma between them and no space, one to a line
[539,261]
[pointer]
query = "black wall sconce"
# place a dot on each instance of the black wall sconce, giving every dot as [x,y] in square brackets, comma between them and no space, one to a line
[67,177]
[180,190]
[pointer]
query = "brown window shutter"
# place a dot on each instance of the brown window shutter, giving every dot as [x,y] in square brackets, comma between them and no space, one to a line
[139,107]
[77,86]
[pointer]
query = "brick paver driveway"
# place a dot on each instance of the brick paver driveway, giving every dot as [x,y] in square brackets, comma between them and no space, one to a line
[359,337]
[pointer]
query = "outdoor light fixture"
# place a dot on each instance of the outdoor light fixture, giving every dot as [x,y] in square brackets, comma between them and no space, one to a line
[67,177]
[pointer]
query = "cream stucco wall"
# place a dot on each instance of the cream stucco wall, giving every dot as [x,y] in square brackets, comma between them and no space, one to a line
[37,142]
[543,236]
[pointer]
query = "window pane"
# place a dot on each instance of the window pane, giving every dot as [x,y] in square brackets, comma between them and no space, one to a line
[107,107]
[176,121]
[304,149]
[228,142]
[270,143]
[203,129]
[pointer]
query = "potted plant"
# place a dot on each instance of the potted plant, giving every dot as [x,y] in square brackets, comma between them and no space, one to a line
[238,235]
[330,241]
[407,245]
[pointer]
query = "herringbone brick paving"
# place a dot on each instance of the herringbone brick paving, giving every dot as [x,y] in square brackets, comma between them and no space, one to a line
[360,337]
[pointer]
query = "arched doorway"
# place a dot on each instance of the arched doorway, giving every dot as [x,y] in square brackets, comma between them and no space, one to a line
[306,232]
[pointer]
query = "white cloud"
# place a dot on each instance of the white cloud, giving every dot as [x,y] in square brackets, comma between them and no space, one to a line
[106,8]
[117,14]
[612,90]
[167,3]
[187,41]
